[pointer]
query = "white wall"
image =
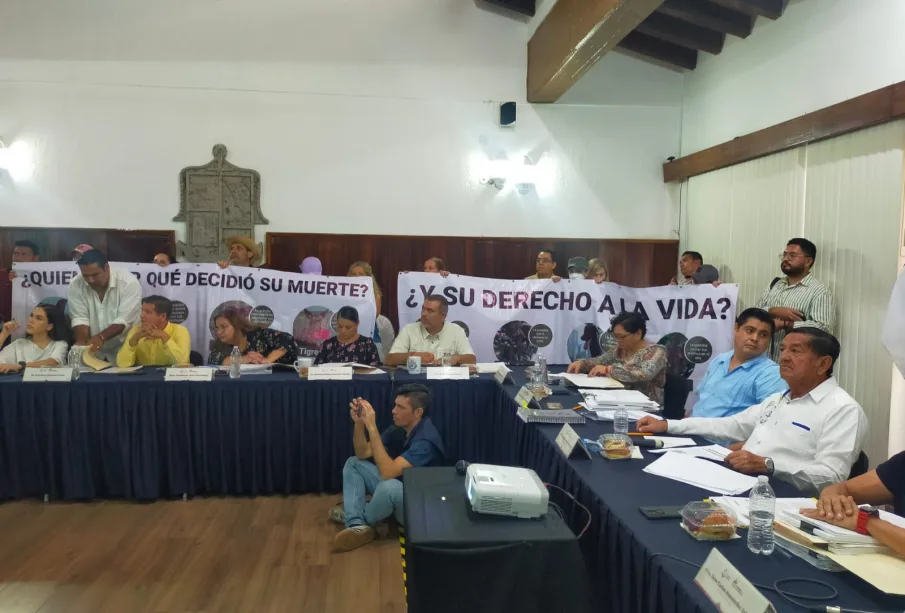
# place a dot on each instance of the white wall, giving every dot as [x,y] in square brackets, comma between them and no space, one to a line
[819,53]
[350,138]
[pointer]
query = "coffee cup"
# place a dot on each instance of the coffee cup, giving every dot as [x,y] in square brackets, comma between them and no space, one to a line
[413,365]
[303,364]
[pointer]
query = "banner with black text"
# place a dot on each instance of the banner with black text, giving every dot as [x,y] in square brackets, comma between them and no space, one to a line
[303,305]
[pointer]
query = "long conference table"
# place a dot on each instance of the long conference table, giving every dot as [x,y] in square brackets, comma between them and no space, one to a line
[140,438]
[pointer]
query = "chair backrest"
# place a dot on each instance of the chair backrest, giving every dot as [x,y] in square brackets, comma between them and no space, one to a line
[196,359]
[859,467]
[675,393]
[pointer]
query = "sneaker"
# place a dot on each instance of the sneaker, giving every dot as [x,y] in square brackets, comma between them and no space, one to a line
[353,538]
[337,515]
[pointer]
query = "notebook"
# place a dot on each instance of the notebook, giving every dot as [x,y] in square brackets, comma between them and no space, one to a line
[530,416]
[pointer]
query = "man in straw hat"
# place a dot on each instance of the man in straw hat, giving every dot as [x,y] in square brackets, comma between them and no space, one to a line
[242,252]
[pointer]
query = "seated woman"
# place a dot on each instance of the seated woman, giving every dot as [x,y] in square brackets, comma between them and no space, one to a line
[348,345]
[597,271]
[45,344]
[258,345]
[384,335]
[634,362]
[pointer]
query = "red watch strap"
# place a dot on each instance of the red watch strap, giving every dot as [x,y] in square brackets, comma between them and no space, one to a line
[863,516]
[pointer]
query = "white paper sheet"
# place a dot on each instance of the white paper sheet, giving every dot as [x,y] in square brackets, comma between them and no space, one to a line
[633,414]
[708,452]
[784,506]
[584,381]
[700,473]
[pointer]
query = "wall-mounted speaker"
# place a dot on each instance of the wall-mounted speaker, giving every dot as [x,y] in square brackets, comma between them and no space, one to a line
[507,114]
[525,7]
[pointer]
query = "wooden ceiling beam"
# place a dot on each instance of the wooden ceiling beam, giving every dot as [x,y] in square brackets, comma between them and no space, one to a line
[682,33]
[573,36]
[877,107]
[663,52]
[707,15]
[771,9]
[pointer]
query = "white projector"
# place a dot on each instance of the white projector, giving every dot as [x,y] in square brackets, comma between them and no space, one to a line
[504,490]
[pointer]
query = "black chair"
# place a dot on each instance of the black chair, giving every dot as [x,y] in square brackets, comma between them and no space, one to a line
[859,467]
[196,359]
[675,393]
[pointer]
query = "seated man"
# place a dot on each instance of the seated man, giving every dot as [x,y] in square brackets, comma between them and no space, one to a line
[431,336]
[743,377]
[411,441]
[883,485]
[103,303]
[156,341]
[808,436]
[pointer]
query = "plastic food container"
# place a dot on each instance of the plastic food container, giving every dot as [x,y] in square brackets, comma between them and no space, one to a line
[616,446]
[708,522]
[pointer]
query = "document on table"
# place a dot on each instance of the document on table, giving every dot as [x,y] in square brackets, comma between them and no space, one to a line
[584,381]
[708,452]
[633,414]
[358,369]
[784,506]
[836,534]
[118,370]
[488,368]
[250,369]
[700,473]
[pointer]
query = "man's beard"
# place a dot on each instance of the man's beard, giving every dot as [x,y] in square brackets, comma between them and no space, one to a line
[792,271]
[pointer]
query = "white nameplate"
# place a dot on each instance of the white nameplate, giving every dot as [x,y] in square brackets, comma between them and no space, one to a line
[33,375]
[330,373]
[728,589]
[524,396]
[501,373]
[189,374]
[447,372]
[568,442]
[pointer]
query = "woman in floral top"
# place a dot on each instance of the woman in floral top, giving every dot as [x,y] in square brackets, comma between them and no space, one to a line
[634,362]
[258,345]
[348,345]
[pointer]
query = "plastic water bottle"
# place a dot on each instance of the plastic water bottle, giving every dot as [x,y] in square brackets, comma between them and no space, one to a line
[762,510]
[74,359]
[235,363]
[620,421]
[542,368]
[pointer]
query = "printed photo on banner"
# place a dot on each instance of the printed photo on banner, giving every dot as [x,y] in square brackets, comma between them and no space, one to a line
[515,321]
[304,305]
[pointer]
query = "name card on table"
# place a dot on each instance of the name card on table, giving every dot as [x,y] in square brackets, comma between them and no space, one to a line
[448,372]
[568,442]
[524,397]
[728,589]
[330,373]
[42,375]
[189,374]
[502,374]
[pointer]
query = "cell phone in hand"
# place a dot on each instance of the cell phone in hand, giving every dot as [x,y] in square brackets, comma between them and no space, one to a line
[357,403]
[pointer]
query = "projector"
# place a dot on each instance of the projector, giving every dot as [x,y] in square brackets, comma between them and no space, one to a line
[505,490]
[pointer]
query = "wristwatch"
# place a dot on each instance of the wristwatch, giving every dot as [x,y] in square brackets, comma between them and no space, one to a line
[865,514]
[768,464]
[22,366]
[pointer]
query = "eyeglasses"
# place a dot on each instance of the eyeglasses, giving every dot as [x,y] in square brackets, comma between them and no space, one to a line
[785,255]
[544,261]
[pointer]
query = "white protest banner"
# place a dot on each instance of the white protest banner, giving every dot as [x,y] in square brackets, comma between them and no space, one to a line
[514,321]
[303,305]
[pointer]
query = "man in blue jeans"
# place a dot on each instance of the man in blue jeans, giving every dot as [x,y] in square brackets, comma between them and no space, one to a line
[379,461]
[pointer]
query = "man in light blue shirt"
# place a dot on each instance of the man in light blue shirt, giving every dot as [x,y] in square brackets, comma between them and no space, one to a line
[744,377]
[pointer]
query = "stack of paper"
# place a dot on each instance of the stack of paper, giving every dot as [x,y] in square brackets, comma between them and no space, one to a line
[633,414]
[842,540]
[700,473]
[708,452]
[613,398]
[358,369]
[250,369]
[488,368]
[784,506]
[584,381]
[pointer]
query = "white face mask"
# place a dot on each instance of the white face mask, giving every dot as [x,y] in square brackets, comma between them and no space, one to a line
[576,275]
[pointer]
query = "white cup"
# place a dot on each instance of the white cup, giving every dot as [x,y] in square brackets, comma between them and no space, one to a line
[413,365]
[302,364]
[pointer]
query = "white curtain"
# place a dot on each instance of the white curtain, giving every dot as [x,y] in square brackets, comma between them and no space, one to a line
[844,194]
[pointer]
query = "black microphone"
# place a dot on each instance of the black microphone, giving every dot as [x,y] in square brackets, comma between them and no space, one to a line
[647,443]
[462,466]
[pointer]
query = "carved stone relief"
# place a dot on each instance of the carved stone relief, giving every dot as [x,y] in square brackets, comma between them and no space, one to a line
[216,201]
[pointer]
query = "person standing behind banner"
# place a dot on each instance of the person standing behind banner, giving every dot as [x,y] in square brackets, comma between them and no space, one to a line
[258,345]
[634,362]
[104,302]
[688,265]
[384,335]
[435,264]
[24,251]
[597,271]
[798,300]
[545,264]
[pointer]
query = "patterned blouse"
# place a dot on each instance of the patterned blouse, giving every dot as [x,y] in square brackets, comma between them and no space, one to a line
[362,350]
[645,371]
[263,341]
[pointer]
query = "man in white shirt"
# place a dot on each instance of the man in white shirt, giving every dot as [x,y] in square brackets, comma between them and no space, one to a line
[430,337]
[104,302]
[808,436]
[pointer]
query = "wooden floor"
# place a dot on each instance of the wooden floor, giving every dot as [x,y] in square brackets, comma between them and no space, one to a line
[205,555]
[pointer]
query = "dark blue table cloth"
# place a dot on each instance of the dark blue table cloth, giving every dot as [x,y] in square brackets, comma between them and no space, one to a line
[621,545]
[136,437]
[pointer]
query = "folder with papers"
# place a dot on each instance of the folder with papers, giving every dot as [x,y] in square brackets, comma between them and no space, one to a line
[700,473]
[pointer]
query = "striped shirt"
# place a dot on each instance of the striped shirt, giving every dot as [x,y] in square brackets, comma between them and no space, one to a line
[809,296]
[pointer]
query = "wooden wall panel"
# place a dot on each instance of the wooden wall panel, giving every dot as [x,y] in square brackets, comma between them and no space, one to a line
[636,263]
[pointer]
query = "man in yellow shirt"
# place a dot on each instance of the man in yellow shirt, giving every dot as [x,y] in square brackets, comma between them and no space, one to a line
[157,341]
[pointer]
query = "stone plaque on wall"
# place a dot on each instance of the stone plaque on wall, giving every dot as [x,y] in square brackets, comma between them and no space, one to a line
[216,201]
